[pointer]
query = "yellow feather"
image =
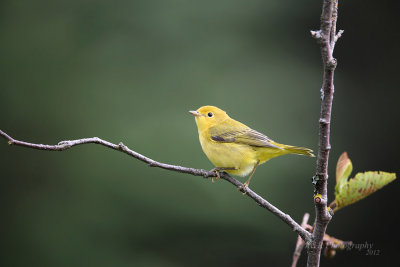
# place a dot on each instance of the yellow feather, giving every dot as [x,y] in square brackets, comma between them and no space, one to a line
[231,144]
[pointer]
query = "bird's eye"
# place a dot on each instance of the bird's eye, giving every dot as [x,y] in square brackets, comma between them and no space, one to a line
[210,114]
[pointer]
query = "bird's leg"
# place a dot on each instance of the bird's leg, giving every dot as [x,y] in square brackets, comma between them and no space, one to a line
[218,169]
[246,184]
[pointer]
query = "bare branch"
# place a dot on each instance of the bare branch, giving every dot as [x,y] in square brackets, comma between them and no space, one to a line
[300,242]
[334,37]
[63,145]
[326,38]
[333,28]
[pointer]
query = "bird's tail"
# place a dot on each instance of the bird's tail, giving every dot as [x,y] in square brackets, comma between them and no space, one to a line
[298,150]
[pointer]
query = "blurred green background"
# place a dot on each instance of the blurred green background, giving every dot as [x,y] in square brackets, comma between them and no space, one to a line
[129,71]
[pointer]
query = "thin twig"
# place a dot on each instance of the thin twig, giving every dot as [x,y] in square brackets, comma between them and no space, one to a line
[326,38]
[333,28]
[335,36]
[300,242]
[63,145]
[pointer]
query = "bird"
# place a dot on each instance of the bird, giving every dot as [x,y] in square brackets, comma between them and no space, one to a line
[234,147]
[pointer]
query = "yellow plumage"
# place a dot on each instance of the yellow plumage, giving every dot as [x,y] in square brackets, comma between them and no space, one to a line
[234,147]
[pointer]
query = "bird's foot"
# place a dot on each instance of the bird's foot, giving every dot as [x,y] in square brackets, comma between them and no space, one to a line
[243,188]
[217,171]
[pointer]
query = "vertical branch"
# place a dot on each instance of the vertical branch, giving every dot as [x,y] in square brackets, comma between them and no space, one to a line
[300,242]
[333,28]
[326,38]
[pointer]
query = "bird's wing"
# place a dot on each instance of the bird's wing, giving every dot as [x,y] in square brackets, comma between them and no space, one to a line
[247,136]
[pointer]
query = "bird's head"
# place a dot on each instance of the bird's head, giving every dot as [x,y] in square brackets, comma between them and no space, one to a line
[208,116]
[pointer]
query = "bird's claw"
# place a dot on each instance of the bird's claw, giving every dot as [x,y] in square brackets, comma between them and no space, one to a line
[243,188]
[216,170]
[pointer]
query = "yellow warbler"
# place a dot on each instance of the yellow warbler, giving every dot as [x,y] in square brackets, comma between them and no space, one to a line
[234,147]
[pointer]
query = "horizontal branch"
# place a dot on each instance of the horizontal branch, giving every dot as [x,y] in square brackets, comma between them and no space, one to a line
[63,145]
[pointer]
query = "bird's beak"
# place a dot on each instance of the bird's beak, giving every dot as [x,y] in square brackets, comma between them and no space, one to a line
[194,113]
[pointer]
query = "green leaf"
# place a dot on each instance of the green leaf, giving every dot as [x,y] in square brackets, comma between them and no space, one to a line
[343,168]
[362,185]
